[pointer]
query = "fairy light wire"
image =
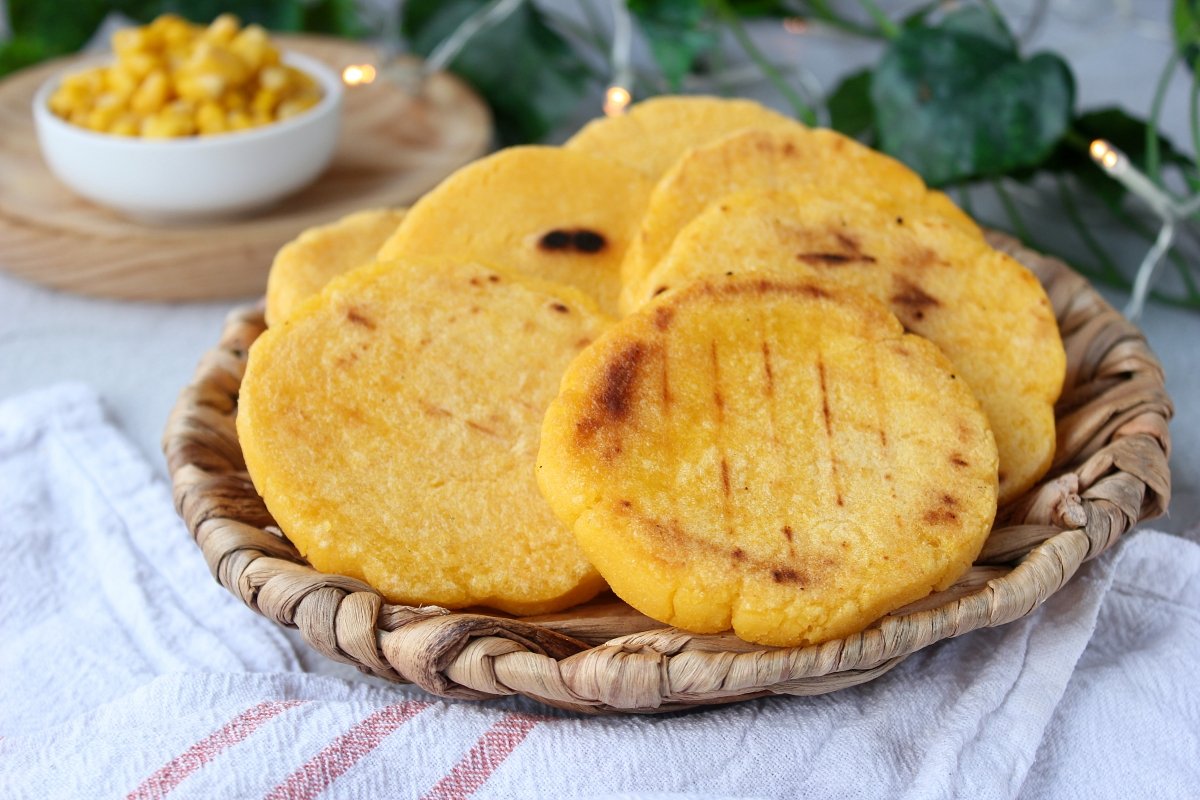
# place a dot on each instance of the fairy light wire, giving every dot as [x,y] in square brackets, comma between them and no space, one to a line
[1171,211]
[493,13]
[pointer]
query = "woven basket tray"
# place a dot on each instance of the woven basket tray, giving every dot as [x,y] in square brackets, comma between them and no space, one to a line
[1109,473]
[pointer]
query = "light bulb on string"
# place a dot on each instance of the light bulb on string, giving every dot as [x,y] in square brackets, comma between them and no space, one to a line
[618,95]
[616,100]
[359,74]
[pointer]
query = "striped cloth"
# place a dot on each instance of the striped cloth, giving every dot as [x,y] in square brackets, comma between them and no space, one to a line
[125,671]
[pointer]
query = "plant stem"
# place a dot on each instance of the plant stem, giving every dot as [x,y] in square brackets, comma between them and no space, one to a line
[964,200]
[1194,113]
[890,29]
[1010,209]
[1077,141]
[1153,162]
[1085,233]
[799,107]
[820,10]
[720,64]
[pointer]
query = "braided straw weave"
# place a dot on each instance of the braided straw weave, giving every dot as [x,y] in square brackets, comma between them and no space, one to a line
[1110,472]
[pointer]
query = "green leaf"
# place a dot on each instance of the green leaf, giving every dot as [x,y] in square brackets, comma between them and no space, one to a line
[51,27]
[337,17]
[983,24]
[1186,19]
[527,72]
[678,33]
[763,8]
[275,15]
[850,109]
[22,51]
[917,17]
[957,102]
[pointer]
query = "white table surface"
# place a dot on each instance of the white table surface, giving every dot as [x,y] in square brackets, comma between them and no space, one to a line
[139,355]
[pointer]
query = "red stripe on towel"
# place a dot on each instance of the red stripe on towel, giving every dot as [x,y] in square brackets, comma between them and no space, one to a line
[174,771]
[344,752]
[474,769]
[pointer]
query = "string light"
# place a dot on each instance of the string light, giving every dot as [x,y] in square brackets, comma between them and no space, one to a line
[1118,166]
[616,100]
[358,74]
[618,95]
[795,25]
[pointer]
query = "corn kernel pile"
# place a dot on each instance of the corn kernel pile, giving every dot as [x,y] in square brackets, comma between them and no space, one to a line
[172,78]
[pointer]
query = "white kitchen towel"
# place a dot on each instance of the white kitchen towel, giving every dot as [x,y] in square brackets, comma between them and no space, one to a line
[125,671]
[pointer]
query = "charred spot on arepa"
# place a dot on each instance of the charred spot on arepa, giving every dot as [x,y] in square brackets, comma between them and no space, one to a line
[555,240]
[943,510]
[576,240]
[612,398]
[359,317]
[911,301]
[588,241]
[787,575]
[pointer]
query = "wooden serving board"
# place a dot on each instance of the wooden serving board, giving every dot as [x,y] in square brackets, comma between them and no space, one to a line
[393,148]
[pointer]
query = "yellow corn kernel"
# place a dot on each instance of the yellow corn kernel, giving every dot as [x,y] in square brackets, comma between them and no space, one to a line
[178,34]
[124,125]
[290,108]
[85,83]
[101,118]
[274,79]
[234,100]
[222,29]
[300,79]
[200,86]
[151,95]
[181,107]
[251,47]
[264,103]
[120,81]
[210,118]
[238,120]
[65,100]
[214,59]
[79,116]
[167,125]
[128,41]
[141,64]
[164,22]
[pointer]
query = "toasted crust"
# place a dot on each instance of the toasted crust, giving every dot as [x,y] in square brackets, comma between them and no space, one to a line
[304,265]
[769,454]
[655,133]
[817,162]
[554,214]
[391,425]
[986,312]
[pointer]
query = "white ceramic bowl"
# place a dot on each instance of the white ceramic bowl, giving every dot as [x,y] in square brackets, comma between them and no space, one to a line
[194,178]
